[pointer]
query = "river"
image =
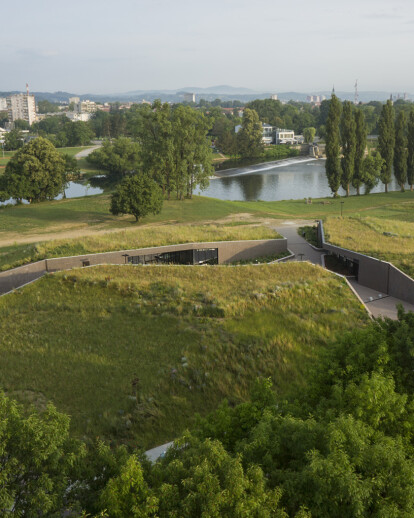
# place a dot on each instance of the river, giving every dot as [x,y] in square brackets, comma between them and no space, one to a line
[293,178]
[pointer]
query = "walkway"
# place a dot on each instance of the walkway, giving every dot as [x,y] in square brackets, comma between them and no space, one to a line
[379,304]
[85,152]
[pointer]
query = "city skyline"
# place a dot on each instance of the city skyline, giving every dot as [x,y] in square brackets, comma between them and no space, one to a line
[158,46]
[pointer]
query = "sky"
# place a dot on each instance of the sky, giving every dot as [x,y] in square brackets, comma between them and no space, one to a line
[102,46]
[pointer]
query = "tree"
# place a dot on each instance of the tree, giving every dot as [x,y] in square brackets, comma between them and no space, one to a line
[249,137]
[400,150]
[386,139]
[360,145]
[13,140]
[410,154]
[309,134]
[372,166]
[128,495]
[119,157]
[21,124]
[78,133]
[348,138]
[35,173]
[138,195]
[36,455]
[333,163]
[175,147]
[192,152]
[47,107]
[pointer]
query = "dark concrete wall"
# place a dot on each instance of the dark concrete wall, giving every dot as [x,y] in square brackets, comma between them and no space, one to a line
[373,273]
[228,251]
[11,279]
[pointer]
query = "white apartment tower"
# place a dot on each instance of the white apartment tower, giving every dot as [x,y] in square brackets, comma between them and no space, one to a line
[21,106]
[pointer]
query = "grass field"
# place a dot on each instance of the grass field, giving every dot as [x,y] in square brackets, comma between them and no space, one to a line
[150,235]
[131,353]
[388,236]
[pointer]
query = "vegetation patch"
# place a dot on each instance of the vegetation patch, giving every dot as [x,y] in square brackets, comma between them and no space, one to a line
[389,236]
[133,352]
[310,234]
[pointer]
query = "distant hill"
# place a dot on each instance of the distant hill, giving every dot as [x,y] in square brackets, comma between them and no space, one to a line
[223,92]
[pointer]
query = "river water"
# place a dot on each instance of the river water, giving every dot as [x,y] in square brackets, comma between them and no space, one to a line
[290,179]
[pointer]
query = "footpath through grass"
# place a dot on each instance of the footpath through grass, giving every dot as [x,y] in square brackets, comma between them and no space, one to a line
[388,236]
[132,353]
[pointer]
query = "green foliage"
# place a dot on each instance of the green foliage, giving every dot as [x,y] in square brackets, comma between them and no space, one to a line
[400,150]
[35,173]
[360,146]
[117,158]
[386,141]
[36,456]
[348,137]
[13,140]
[138,195]
[372,167]
[410,150]
[309,134]
[47,107]
[249,137]
[333,163]
[175,148]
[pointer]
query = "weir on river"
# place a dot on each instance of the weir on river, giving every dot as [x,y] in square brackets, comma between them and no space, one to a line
[293,178]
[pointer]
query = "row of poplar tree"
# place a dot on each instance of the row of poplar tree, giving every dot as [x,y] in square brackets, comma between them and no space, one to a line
[347,162]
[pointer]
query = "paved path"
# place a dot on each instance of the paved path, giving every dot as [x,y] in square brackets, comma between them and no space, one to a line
[86,152]
[379,304]
[297,244]
[155,453]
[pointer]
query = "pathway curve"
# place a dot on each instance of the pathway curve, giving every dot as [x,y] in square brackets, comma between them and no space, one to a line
[379,304]
[85,152]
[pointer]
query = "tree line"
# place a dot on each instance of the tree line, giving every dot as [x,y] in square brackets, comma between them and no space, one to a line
[348,163]
[343,447]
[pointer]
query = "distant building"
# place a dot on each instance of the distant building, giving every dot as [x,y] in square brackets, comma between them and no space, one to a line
[74,100]
[21,106]
[189,97]
[315,99]
[3,104]
[274,97]
[268,133]
[285,136]
[75,116]
[86,107]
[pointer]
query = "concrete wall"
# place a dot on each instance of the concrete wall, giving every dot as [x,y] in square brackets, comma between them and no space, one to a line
[373,273]
[228,251]
[11,279]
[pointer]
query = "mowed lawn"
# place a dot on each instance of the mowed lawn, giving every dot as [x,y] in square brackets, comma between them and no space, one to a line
[133,353]
[388,236]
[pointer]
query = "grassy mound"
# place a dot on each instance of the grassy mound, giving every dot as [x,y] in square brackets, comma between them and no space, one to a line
[389,236]
[132,353]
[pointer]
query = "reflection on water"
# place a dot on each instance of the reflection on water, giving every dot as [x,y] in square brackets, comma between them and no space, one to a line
[74,190]
[296,179]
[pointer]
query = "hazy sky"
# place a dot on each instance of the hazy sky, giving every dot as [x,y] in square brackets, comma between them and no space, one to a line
[104,46]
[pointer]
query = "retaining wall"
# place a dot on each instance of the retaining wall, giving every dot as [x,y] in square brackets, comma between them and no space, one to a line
[228,251]
[11,279]
[374,273]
